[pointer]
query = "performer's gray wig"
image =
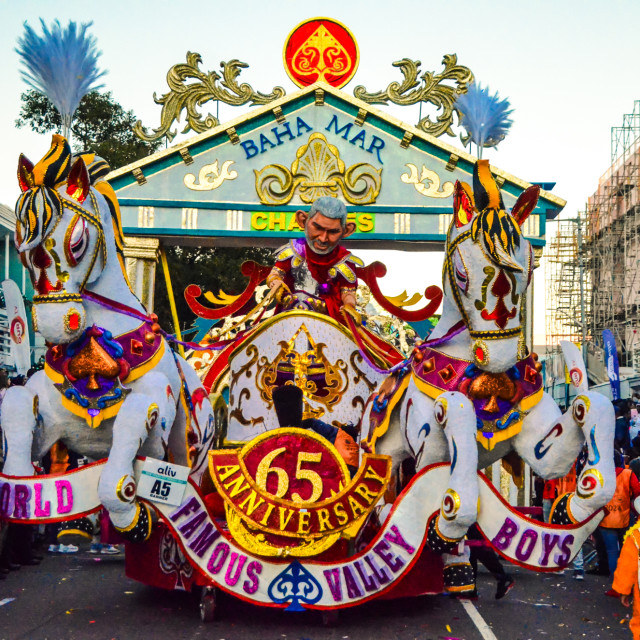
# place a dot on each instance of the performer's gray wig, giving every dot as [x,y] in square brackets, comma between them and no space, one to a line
[330,207]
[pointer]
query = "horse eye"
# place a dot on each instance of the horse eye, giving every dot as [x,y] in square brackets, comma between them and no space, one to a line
[460,271]
[76,240]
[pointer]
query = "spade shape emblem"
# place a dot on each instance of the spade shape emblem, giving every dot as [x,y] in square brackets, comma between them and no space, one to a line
[297,585]
[92,361]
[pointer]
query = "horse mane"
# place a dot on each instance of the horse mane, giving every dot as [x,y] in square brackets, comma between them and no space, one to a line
[497,229]
[98,168]
[39,184]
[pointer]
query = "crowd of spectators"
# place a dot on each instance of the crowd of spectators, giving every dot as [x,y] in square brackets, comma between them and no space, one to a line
[621,513]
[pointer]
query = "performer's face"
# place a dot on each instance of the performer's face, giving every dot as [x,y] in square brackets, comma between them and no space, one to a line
[323,234]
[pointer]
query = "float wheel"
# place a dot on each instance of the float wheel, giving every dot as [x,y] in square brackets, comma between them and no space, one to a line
[208,604]
[330,618]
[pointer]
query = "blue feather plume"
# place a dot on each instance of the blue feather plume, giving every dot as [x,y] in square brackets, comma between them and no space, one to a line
[62,64]
[485,117]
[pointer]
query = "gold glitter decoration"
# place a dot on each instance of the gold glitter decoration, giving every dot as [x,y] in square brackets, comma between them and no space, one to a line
[482,345]
[450,505]
[49,245]
[62,296]
[264,469]
[253,538]
[254,541]
[91,361]
[305,433]
[587,483]
[311,476]
[522,347]
[301,366]
[492,386]
[123,489]
[67,320]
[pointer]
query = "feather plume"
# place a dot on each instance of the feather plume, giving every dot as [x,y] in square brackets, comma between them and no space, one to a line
[62,64]
[485,117]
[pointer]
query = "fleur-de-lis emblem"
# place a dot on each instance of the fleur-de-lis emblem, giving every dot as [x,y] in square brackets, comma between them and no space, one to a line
[297,585]
[318,171]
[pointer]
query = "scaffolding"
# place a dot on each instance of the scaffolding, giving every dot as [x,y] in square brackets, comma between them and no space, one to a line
[609,253]
[612,245]
[563,285]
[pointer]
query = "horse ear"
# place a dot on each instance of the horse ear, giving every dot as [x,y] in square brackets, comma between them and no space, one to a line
[78,182]
[25,173]
[463,204]
[526,203]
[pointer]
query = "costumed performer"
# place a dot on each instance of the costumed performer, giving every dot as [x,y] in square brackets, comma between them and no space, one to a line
[316,273]
[625,579]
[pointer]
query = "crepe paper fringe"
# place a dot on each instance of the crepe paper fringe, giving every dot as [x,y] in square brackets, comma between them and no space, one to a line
[62,64]
[485,117]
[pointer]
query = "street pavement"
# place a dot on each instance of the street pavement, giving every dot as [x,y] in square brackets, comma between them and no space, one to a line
[70,597]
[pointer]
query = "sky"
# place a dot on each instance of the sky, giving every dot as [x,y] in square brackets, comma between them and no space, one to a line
[569,69]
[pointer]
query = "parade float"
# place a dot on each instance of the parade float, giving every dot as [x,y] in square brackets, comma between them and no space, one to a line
[309,464]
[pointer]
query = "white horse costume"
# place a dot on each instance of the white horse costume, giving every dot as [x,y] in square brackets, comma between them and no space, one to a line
[111,386]
[478,397]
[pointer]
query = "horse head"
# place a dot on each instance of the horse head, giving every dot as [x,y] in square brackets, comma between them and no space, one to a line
[488,267]
[61,237]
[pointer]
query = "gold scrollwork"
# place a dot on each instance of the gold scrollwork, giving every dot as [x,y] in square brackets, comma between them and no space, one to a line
[318,171]
[252,354]
[361,375]
[238,413]
[430,188]
[210,177]
[433,89]
[320,380]
[357,403]
[255,541]
[191,96]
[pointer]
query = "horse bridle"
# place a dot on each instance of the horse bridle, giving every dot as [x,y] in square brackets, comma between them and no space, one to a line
[448,270]
[100,245]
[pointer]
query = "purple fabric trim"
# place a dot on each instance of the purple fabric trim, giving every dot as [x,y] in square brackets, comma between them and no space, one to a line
[132,313]
[446,373]
[457,328]
[130,350]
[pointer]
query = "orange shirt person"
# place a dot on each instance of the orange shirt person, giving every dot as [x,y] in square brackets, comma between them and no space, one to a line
[625,579]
